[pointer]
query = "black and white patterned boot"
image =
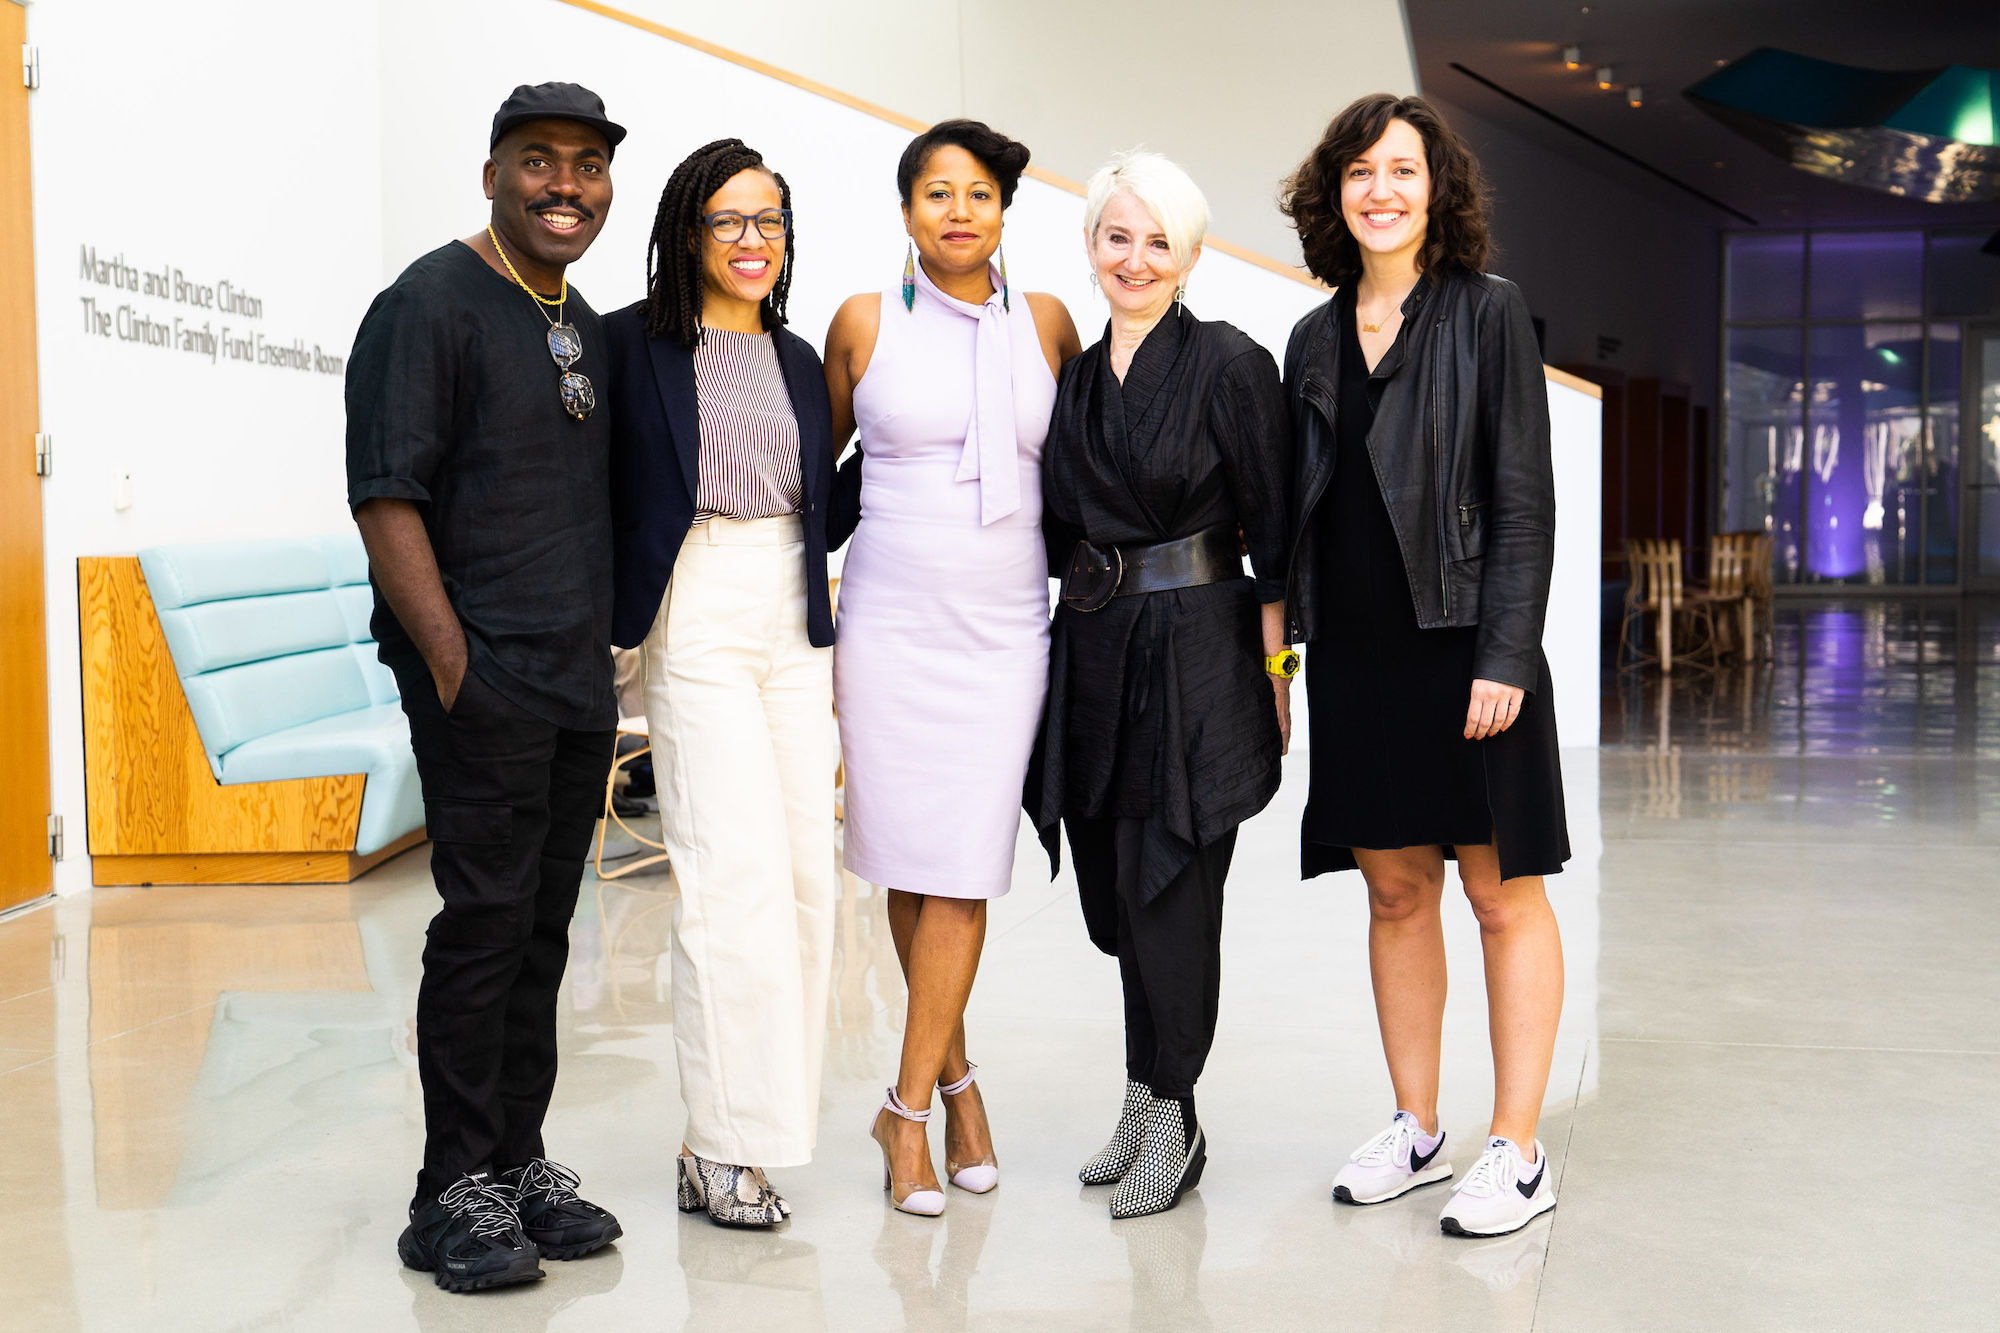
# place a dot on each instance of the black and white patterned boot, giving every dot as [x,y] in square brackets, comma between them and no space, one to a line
[1171,1158]
[1117,1156]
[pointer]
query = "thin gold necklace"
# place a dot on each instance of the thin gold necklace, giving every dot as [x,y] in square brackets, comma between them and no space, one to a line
[1376,327]
[540,300]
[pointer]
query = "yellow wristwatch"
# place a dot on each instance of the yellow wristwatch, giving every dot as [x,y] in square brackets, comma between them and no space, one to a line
[1284,664]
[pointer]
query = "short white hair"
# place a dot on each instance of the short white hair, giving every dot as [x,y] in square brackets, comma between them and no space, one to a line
[1169,194]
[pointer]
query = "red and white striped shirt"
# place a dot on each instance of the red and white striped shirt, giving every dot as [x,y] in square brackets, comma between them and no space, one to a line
[749,435]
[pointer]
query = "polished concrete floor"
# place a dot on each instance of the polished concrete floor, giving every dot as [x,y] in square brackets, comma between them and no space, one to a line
[1772,1106]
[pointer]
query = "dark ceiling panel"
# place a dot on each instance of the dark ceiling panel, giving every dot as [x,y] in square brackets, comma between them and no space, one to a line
[1667,46]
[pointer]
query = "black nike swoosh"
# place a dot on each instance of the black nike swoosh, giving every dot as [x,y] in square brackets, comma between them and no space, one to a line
[1527,1187]
[1419,1162]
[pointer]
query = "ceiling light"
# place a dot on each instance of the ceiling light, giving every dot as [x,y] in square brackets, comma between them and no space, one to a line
[1572,57]
[1635,96]
[1605,78]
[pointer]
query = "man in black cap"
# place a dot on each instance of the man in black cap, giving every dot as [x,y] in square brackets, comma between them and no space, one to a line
[477,472]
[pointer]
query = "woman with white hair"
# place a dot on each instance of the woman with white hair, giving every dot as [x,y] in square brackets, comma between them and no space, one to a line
[1169,706]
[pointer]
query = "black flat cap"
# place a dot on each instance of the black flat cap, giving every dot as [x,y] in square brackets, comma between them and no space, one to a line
[554,101]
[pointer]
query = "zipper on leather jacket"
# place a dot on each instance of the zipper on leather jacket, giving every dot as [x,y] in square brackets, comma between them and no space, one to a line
[1437,472]
[1315,395]
[1465,513]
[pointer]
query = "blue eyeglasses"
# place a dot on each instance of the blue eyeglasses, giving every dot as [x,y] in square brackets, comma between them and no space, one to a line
[728,226]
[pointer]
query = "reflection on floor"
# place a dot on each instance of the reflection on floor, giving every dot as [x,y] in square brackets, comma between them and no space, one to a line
[1779,928]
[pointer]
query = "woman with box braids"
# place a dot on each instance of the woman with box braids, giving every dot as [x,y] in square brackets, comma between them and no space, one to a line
[724,502]
[673,258]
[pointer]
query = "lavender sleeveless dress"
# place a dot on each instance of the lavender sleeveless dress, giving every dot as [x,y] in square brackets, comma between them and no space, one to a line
[943,650]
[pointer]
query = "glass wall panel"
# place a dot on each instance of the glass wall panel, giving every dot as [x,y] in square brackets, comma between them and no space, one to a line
[1761,444]
[1962,280]
[1849,359]
[1941,477]
[1766,277]
[1864,428]
[1867,274]
[1984,435]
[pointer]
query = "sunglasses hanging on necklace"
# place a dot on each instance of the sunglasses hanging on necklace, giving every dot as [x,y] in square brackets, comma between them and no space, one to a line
[579,399]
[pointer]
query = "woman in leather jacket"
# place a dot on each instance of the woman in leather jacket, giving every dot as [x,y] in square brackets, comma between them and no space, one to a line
[1419,583]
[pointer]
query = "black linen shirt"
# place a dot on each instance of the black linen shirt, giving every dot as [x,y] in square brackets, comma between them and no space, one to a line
[452,403]
[1159,707]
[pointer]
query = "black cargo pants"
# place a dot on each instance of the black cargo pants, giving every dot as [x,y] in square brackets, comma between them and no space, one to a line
[510,803]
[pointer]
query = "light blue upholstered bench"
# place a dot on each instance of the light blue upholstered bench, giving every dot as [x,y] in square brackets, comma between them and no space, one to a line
[270,642]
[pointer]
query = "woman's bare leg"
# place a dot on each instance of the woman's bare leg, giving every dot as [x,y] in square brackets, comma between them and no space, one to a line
[1524,988]
[938,941]
[1406,964]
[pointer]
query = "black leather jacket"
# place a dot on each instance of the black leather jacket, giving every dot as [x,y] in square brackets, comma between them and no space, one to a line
[1461,448]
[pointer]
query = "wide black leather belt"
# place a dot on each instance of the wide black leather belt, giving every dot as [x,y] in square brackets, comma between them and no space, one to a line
[1099,573]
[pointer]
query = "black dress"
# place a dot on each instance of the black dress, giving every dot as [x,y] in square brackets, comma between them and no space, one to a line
[1389,760]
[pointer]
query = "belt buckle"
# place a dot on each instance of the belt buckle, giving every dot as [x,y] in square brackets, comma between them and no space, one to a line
[1093,577]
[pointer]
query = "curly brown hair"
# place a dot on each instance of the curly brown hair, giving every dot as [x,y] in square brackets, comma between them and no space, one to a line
[1456,236]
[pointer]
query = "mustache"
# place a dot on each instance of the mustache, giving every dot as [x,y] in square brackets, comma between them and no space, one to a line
[566,205]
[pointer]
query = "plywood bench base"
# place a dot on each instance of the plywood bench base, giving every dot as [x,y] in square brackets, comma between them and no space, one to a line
[150,790]
[245,867]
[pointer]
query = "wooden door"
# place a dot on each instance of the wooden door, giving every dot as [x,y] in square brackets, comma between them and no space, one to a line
[25,871]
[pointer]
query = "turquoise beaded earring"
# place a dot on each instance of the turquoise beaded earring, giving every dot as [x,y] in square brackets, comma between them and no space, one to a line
[1006,302]
[910,276]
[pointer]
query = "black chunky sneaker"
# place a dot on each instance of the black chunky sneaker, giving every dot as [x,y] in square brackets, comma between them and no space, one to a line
[469,1239]
[1116,1157]
[1171,1157]
[558,1223]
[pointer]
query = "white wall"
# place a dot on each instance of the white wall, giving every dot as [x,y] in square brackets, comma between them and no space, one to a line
[200,137]
[315,209]
[841,164]
[1235,92]
[1572,634]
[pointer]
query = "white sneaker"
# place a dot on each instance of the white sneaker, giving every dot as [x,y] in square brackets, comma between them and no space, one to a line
[1501,1193]
[1390,1165]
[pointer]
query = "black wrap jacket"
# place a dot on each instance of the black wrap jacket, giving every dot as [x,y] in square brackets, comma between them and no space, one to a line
[1158,706]
[1460,446]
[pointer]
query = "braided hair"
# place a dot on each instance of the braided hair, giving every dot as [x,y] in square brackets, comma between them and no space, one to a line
[673,258]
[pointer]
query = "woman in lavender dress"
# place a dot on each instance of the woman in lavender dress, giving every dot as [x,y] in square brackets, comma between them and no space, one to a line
[942,658]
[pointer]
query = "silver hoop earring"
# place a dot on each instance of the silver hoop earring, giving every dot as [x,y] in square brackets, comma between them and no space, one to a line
[1179,309]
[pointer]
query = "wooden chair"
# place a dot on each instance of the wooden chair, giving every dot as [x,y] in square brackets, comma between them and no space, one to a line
[1761,622]
[627,726]
[1729,559]
[1658,591]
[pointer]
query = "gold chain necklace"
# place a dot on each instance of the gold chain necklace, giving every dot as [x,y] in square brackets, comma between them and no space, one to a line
[578,398]
[1376,327]
[540,300]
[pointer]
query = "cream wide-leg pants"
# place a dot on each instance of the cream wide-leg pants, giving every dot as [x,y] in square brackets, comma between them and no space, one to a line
[740,710]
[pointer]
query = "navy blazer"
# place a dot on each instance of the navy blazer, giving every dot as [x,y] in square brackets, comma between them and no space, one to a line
[655,465]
